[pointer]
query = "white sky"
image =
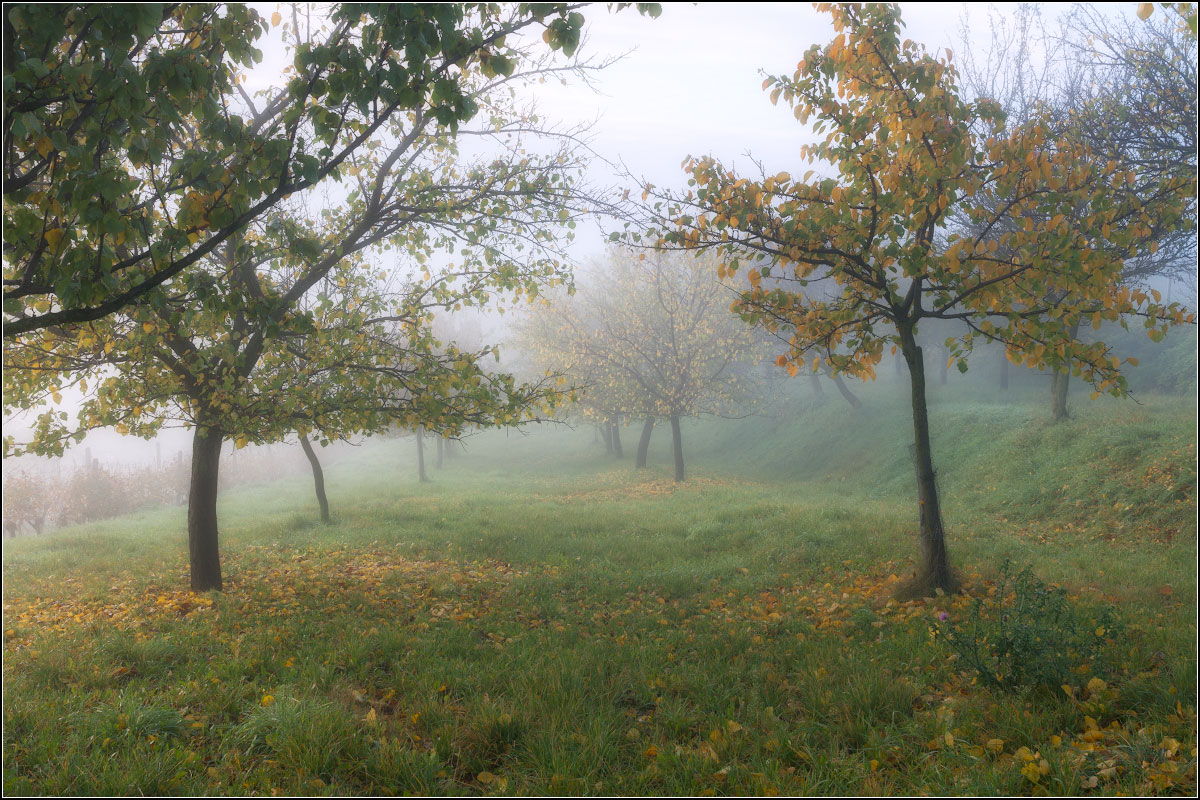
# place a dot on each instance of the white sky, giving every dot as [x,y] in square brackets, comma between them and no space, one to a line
[691,86]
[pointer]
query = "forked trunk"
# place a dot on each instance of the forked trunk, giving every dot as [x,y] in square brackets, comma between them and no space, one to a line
[935,560]
[644,442]
[318,477]
[204,554]
[606,432]
[677,446]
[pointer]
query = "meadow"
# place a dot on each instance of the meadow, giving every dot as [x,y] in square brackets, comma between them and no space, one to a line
[543,619]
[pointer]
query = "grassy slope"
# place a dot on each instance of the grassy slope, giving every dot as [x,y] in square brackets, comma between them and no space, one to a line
[540,620]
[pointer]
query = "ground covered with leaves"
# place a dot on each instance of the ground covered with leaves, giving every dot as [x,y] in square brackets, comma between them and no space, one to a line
[577,628]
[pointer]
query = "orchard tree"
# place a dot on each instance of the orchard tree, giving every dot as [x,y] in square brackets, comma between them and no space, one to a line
[1123,88]
[905,152]
[654,337]
[105,196]
[288,328]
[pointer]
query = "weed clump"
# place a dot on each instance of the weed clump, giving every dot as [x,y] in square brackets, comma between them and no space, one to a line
[1027,634]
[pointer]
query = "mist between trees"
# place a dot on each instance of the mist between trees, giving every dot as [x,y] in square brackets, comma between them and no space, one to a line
[270,265]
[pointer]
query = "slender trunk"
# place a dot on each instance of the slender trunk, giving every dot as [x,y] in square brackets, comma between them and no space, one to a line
[847,395]
[318,477]
[677,446]
[421,455]
[1004,370]
[818,390]
[616,438]
[203,551]
[606,432]
[440,451]
[1060,381]
[1058,396]
[935,561]
[644,442]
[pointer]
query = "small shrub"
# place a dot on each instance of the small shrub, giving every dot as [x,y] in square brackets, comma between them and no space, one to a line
[1027,634]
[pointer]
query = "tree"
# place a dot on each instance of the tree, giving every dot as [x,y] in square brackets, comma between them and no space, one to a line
[285,329]
[650,338]
[908,151]
[1124,89]
[106,199]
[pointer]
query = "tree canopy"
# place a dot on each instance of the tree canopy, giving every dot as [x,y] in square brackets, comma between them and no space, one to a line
[106,199]
[905,151]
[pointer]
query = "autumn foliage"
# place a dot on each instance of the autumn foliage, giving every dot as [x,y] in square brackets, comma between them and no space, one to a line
[901,152]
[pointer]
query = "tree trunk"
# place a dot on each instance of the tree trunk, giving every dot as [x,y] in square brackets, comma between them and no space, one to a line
[421,455]
[677,446]
[203,551]
[935,561]
[1060,381]
[606,432]
[1004,370]
[644,442]
[845,391]
[440,450]
[616,438]
[318,477]
[818,390]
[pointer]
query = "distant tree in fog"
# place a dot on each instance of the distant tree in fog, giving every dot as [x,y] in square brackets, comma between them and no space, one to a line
[650,337]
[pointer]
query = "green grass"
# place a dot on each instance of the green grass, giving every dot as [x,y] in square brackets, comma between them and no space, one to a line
[541,619]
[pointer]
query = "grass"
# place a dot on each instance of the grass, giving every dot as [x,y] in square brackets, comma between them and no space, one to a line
[570,626]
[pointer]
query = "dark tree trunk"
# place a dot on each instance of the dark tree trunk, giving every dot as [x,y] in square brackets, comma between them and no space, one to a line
[1004,370]
[203,551]
[1058,396]
[677,446]
[441,448]
[318,477]
[606,432]
[935,560]
[421,455]
[644,442]
[845,391]
[1060,381]
[616,439]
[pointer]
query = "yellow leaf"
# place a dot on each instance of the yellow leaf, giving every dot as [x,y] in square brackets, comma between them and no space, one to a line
[148,327]
[44,146]
[370,716]
[276,18]
[485,778]
[1145,10]
[995,745]
[53,236]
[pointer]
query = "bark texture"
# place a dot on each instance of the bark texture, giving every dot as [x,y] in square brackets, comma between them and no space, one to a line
[204,553]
